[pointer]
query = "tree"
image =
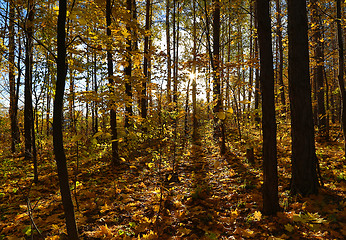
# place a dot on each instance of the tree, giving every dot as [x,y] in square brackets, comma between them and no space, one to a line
[270,175]
[304,179]
[128,68]
[28,112]
[59,151]
[11,76]
[29,130]
[113,114]
[341,70]
[318,70]
[194,84]
[169,66]
[281,56]
[146,63]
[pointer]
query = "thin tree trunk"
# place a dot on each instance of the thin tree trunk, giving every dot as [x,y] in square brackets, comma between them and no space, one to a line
[319,72]
[95,109]
[169,64]
[257,81]
[59,151]
[144,99]
[251,56]
[281,57]
[11,77]
[194,75]
[128,71]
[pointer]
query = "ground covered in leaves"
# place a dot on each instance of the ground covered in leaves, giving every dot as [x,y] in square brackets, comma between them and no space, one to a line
[206,197]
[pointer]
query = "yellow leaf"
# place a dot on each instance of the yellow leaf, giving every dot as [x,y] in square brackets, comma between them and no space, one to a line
[221,115]
[257,216]
[98,134]
[230,110]
[248,233]
[150,165]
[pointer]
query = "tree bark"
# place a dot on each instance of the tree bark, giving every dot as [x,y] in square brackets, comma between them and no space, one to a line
[59,151]
[144,99]
[11,77]
[281,57]
[128,70]
[341,71]
[169,66]
[257,81]
[113,114]
[194,75]
[304,179]
[270,175]
[318,71]
[28,111]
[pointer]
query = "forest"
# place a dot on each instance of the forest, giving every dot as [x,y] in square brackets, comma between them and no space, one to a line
[173,119]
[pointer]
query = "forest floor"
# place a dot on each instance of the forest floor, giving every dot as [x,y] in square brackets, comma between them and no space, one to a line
[210,197]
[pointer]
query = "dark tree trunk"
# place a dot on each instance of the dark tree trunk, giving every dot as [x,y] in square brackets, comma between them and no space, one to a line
[281,57]
[251,55]
[144,99]
[219,123]
[28,111]
[341,70]
[95,108]
[49,79]
[304,179]
[318,71]
[194,84]
[216,57]
[113,114]
[175,52]
[169,67]
[257,81]
[128,71]
[270,175]
[59,151]
[13,109]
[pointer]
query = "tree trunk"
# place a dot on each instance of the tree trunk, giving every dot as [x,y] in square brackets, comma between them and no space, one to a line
[194,75]
[251,56]
[270,175]
[304,179]
[144,99]
[113,114]
[175,53]
[11,77]
[128,70]
[95,108]
[257,81]
[216,57]
[28,112]
[318,71]
[169,66]
[281,57]
[341,71]
[219,121]
[59,151]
